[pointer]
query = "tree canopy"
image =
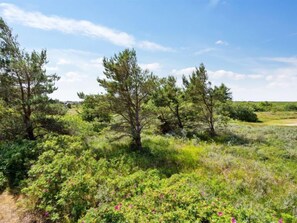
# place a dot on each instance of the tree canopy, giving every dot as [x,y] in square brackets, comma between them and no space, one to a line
[204,97]
[128,88]
[24,83]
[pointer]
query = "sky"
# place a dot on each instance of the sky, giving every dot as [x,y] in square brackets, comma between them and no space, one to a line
[251,46]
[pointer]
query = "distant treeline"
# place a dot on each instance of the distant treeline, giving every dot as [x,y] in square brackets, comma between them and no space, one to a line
[267,106]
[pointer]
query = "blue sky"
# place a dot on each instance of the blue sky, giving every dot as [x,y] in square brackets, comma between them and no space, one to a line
[251,46]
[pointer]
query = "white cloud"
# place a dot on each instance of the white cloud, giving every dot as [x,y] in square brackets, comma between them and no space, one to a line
[283,77]
[63,61]
[78,74]
[222,43]
[218,74]
[38,20]
[255,76]
[222,74]
[269,81]
[98,60]
[204,51]
[151,66]
[51,68]
[72,77]
[97,63]
[288,60]
[147,45]
[184,71]
[226,74]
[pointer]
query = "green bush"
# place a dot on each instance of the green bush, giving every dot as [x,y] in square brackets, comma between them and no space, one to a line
[68,177]
[11,123]
[16,159]
[242,112]
[291,107]
[103,182]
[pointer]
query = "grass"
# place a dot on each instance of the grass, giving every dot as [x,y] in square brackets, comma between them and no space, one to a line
[278,118]
[271,116]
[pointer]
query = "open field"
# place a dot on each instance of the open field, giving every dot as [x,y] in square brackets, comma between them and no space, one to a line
[278,118]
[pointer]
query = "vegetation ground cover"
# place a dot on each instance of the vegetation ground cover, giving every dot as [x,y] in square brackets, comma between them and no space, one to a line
[248,175]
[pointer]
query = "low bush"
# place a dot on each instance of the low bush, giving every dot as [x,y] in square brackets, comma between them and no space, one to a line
[16,159]
[291,107]
[172,180]
[242,112]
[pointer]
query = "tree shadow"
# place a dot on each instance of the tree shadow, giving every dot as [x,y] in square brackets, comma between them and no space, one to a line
[226,138]
[157,155]
[232,139]
[161,154]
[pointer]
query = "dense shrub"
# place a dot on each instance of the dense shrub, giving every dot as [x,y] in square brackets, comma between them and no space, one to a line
[15,160]
[94,109]
[11,125]
[242,112]
[181,198]
[102,182]
[291,107]
[67,178]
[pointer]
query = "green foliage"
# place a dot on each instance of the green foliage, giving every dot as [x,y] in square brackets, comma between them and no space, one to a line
[272,106]
[242,112]
[290,107]
[16,159]
[24,84]
[75,125]
[169,100]
[249,176]
[95,109]
[10,123]
[178,199]
[205,99]
[128,89]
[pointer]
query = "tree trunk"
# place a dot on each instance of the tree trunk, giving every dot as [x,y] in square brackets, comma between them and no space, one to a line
[137,138]
[29,128]
[180,124]
[211,123]
[212,131]
[137,141]
[137,135]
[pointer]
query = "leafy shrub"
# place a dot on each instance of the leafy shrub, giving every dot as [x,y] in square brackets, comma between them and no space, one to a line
[103,182]
[68,176]
[242,112]
[264,106]
[94,109]
[11,123]
[181,198]
[290,107]
[15,160]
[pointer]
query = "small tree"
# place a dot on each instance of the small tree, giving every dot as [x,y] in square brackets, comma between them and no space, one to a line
[128,89]
[24,84]
[204,96]
[169,100]
[95,109]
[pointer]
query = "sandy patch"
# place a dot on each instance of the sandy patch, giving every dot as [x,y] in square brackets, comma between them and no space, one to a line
[9,212]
